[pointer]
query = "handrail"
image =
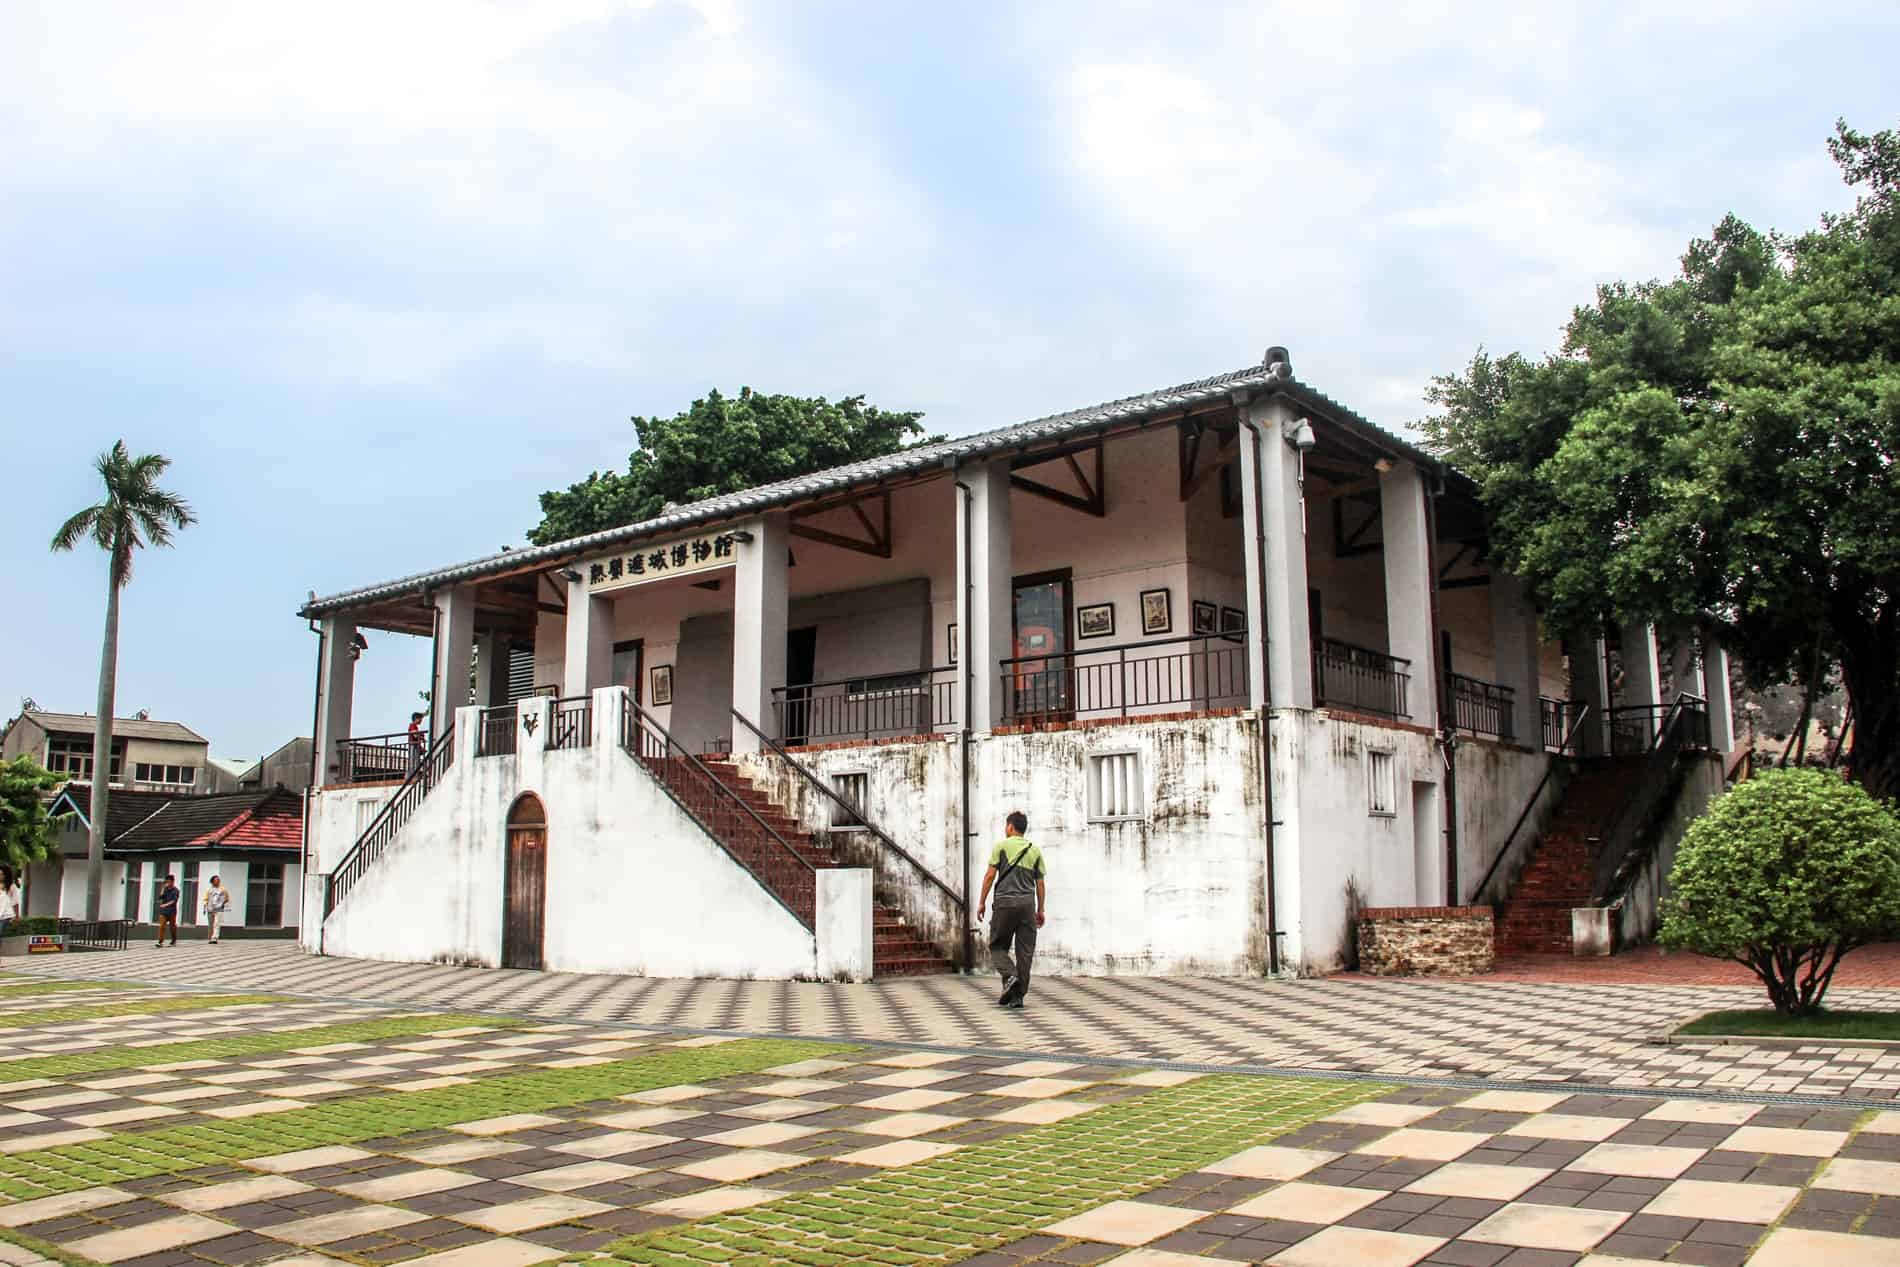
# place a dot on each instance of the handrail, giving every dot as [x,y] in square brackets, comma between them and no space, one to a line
[1484,708]
[899,702]
[374,758]
[389,820]
[1348,675]
[635,724]
[1193,669]
[1074,652]
[1370,652]
[856,812]
[1622,834]
[868,678]
[571,723]
[1523,816]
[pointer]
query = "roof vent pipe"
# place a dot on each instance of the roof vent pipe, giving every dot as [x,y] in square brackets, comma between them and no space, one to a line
[1278,356]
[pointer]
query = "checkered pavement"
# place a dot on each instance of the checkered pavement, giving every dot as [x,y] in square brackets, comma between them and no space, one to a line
[1507,1030]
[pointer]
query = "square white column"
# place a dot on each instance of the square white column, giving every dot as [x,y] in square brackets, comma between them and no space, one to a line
[336,694]
[1642,679]
[986,589]
[758,626]
[454,640]
[1721,697]
[1590,672]
[1273,521]
[1514,636]
[491,670]
[1406,527]
[589,658]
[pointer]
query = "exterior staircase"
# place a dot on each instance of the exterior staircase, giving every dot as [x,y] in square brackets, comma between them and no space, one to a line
[897,950]
[1535,918]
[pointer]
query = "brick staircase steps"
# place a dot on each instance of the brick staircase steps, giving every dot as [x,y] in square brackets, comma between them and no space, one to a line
[897,950]
[1535,919]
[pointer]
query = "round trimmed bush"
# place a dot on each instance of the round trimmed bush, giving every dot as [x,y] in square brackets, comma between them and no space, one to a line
[1785,874]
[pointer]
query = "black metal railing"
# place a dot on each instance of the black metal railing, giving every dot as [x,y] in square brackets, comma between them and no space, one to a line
[1565,745]
[1200,673]
[571,723]
[1346,675]
[874,707]
[1631,730]
[1484,708]
[382,830]
[94,934]
[495,731]
[941,921]
[722,813]
[1627,833]
[1557,718]
[378,758]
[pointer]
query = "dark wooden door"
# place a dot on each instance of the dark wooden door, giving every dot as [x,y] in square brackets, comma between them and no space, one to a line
[524,915]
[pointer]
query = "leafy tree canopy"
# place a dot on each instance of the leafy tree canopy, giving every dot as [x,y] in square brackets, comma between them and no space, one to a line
[1721,442]
[1784,875]
[26,830]
[722,445]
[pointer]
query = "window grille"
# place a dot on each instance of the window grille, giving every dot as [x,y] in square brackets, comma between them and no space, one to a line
[852,787]
[1115,786]
[1382,790]
[264,895]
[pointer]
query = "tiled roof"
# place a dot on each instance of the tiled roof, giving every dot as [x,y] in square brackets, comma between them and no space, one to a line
[122,727]
[219,822]
[123,809]
[1265,379]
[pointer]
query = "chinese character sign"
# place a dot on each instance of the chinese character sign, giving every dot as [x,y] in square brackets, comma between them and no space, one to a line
[638,565]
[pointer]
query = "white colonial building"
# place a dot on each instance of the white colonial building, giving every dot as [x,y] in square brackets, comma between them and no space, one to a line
[1239,654]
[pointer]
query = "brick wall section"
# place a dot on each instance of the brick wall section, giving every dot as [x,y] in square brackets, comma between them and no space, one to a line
[1426,941]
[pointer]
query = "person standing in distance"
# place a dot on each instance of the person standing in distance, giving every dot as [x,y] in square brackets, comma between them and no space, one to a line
[168,911]
[1019,877]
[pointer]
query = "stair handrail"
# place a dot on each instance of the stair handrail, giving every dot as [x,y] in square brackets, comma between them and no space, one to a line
[1620,839]
[632,718]
[1550,769]
[856,812]
[382,829]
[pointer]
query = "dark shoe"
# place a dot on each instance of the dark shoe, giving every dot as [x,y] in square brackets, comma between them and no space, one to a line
[1009,988]
[1013,997]
[1016,1001]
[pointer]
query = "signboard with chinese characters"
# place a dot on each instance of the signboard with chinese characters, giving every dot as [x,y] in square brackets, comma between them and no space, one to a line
[641,565]
[46,944]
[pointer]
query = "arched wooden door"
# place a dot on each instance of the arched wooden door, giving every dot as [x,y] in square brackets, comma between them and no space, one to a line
[525,902]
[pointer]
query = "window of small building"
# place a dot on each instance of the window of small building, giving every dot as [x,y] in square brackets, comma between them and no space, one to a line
[852,787]
[1382,791]
[1115,790]
[188,894]
[71,755]
[134,878]
[264,895]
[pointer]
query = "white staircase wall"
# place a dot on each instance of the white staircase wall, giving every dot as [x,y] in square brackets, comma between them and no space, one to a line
[633,884]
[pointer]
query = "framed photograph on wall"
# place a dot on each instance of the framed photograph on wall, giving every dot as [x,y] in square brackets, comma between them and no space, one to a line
[1095,621]
[662,685]
[1233,620]
[1206,619]
[950,641]
[1157,612]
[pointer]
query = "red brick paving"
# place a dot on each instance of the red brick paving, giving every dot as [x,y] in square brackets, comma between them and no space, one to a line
[1649,965]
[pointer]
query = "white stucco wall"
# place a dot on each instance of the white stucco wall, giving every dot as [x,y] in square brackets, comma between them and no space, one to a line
[1494,782]
[633,885]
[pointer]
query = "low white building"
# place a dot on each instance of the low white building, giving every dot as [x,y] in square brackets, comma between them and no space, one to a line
[1237,652]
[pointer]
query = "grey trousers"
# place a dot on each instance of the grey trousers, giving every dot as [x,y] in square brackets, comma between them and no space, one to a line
[1013,919]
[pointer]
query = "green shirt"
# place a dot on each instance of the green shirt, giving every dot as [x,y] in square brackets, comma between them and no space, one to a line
[1021,879]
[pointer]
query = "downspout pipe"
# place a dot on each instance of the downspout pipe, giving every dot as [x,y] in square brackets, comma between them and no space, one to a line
[1259,529]
[1447,721]
[964,738]
[316,780]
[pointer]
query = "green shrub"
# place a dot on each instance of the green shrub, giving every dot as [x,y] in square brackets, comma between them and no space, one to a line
[33,924]
[1784,875]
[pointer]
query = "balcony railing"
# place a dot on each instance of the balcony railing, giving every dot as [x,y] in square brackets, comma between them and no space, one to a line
[1484,708]
[379,758]
[571,723]
[1199,673]
[495,732]
[873,707]
[1346,675]
[1557,719]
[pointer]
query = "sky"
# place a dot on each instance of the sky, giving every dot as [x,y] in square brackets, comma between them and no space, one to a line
[375,275]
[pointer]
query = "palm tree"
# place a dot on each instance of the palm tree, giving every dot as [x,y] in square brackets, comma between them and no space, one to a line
[136,512]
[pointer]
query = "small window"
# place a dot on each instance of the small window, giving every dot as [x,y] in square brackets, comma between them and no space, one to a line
[851,787]
[143,773]
[1115,786]
[188,774]
[1382,791]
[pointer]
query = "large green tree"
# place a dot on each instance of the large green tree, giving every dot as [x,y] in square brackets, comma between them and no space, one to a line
[1721,442]
[722,445]
[136,512]
[26,829]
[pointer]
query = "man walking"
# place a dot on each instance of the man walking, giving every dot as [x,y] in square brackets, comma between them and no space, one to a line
[168,911]
[1022,904]
[217,901]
